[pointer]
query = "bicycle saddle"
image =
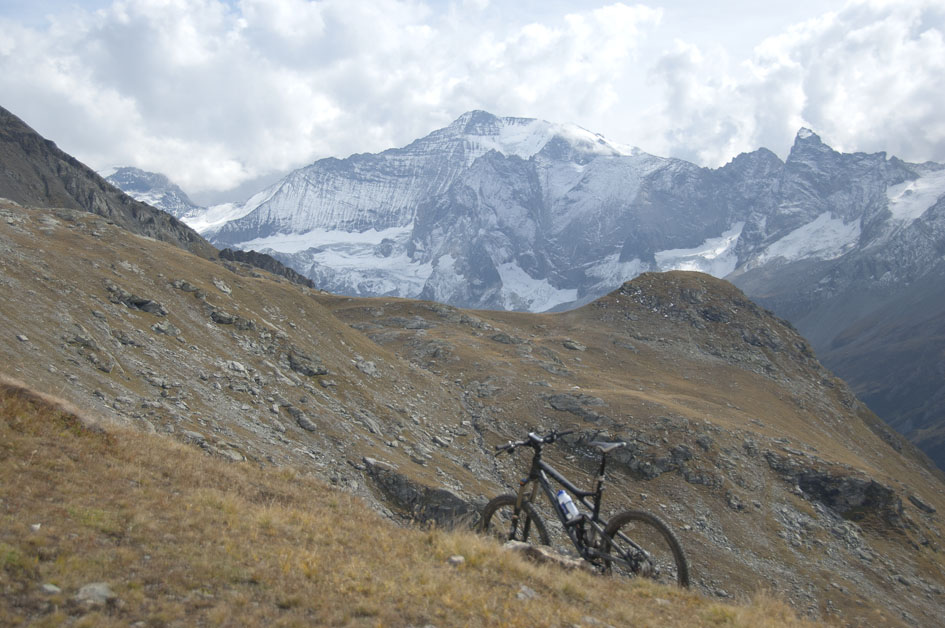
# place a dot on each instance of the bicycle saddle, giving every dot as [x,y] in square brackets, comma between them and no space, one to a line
[606,448]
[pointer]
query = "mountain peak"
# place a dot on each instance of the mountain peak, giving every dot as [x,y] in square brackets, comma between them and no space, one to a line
[808,145]
[805,134]
[152,188]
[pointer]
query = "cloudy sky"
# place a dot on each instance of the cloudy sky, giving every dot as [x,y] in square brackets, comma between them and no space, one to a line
[218,93]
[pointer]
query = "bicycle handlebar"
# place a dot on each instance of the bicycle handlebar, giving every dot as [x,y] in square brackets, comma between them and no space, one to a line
[534,441]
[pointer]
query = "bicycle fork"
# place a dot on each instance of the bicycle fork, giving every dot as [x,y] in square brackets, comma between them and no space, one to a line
[518,510]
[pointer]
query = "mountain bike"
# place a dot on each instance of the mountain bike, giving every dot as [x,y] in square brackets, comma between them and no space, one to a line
[631,543]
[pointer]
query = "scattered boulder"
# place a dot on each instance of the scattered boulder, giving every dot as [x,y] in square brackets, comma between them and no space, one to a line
[195,437]
[305,365]
[184,286]
[367,367]
[853,497]
[419,502]
[303,421]
[545,555]
[222,318]
[166,328]
[576,405]
[921,505]
[95,594]
[526,593]
[506,339]
[117,294]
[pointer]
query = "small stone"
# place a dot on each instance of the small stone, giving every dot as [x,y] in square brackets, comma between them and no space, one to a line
[95,594]
[221,286]
[921,505]
[305,423]
[456,560]
[232,455]
[222,318]
[166,328]
[573,345]
[197,437]
[367,367]
[526,593]
[235,366]
[22,338]
[36,526]
[50,589]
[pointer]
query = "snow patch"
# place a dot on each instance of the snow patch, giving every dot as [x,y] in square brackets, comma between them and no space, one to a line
[211,219]
[214,217]
[526,138]
[327,238]
[521,291]
[826,237]
[909,200]
[715,256]
[610,271]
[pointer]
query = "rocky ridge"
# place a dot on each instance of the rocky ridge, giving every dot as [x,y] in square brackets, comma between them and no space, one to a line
[769,468]
[36,173]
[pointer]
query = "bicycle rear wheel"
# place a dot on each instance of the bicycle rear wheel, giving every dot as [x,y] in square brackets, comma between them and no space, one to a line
[642,545]
[500,520]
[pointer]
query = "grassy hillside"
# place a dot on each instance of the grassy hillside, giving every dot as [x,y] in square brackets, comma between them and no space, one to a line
[768,469]
[182,538]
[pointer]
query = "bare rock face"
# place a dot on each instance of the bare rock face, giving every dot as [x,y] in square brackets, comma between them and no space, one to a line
[421,503]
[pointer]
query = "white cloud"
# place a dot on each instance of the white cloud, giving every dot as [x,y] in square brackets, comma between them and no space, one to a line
[869,77]
[214,92]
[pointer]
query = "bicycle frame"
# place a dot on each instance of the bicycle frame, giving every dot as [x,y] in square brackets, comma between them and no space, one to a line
[538,477]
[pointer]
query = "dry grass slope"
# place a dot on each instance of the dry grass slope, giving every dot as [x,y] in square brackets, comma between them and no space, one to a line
[185,539]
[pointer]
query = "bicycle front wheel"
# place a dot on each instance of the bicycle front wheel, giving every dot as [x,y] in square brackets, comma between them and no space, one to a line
[640,544]
[500,521]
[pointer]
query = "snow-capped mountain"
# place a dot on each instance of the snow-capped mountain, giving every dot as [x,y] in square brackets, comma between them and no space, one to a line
[543,217]
[515,213]
[154,189]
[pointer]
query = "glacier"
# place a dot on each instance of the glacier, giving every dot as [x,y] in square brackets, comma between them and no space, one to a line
[826,237]
[909,200]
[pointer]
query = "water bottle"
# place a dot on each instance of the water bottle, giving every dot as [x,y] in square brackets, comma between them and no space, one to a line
[567,506]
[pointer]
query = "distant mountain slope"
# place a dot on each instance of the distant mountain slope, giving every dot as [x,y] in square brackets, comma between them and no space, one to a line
[154,189]
[33,171]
